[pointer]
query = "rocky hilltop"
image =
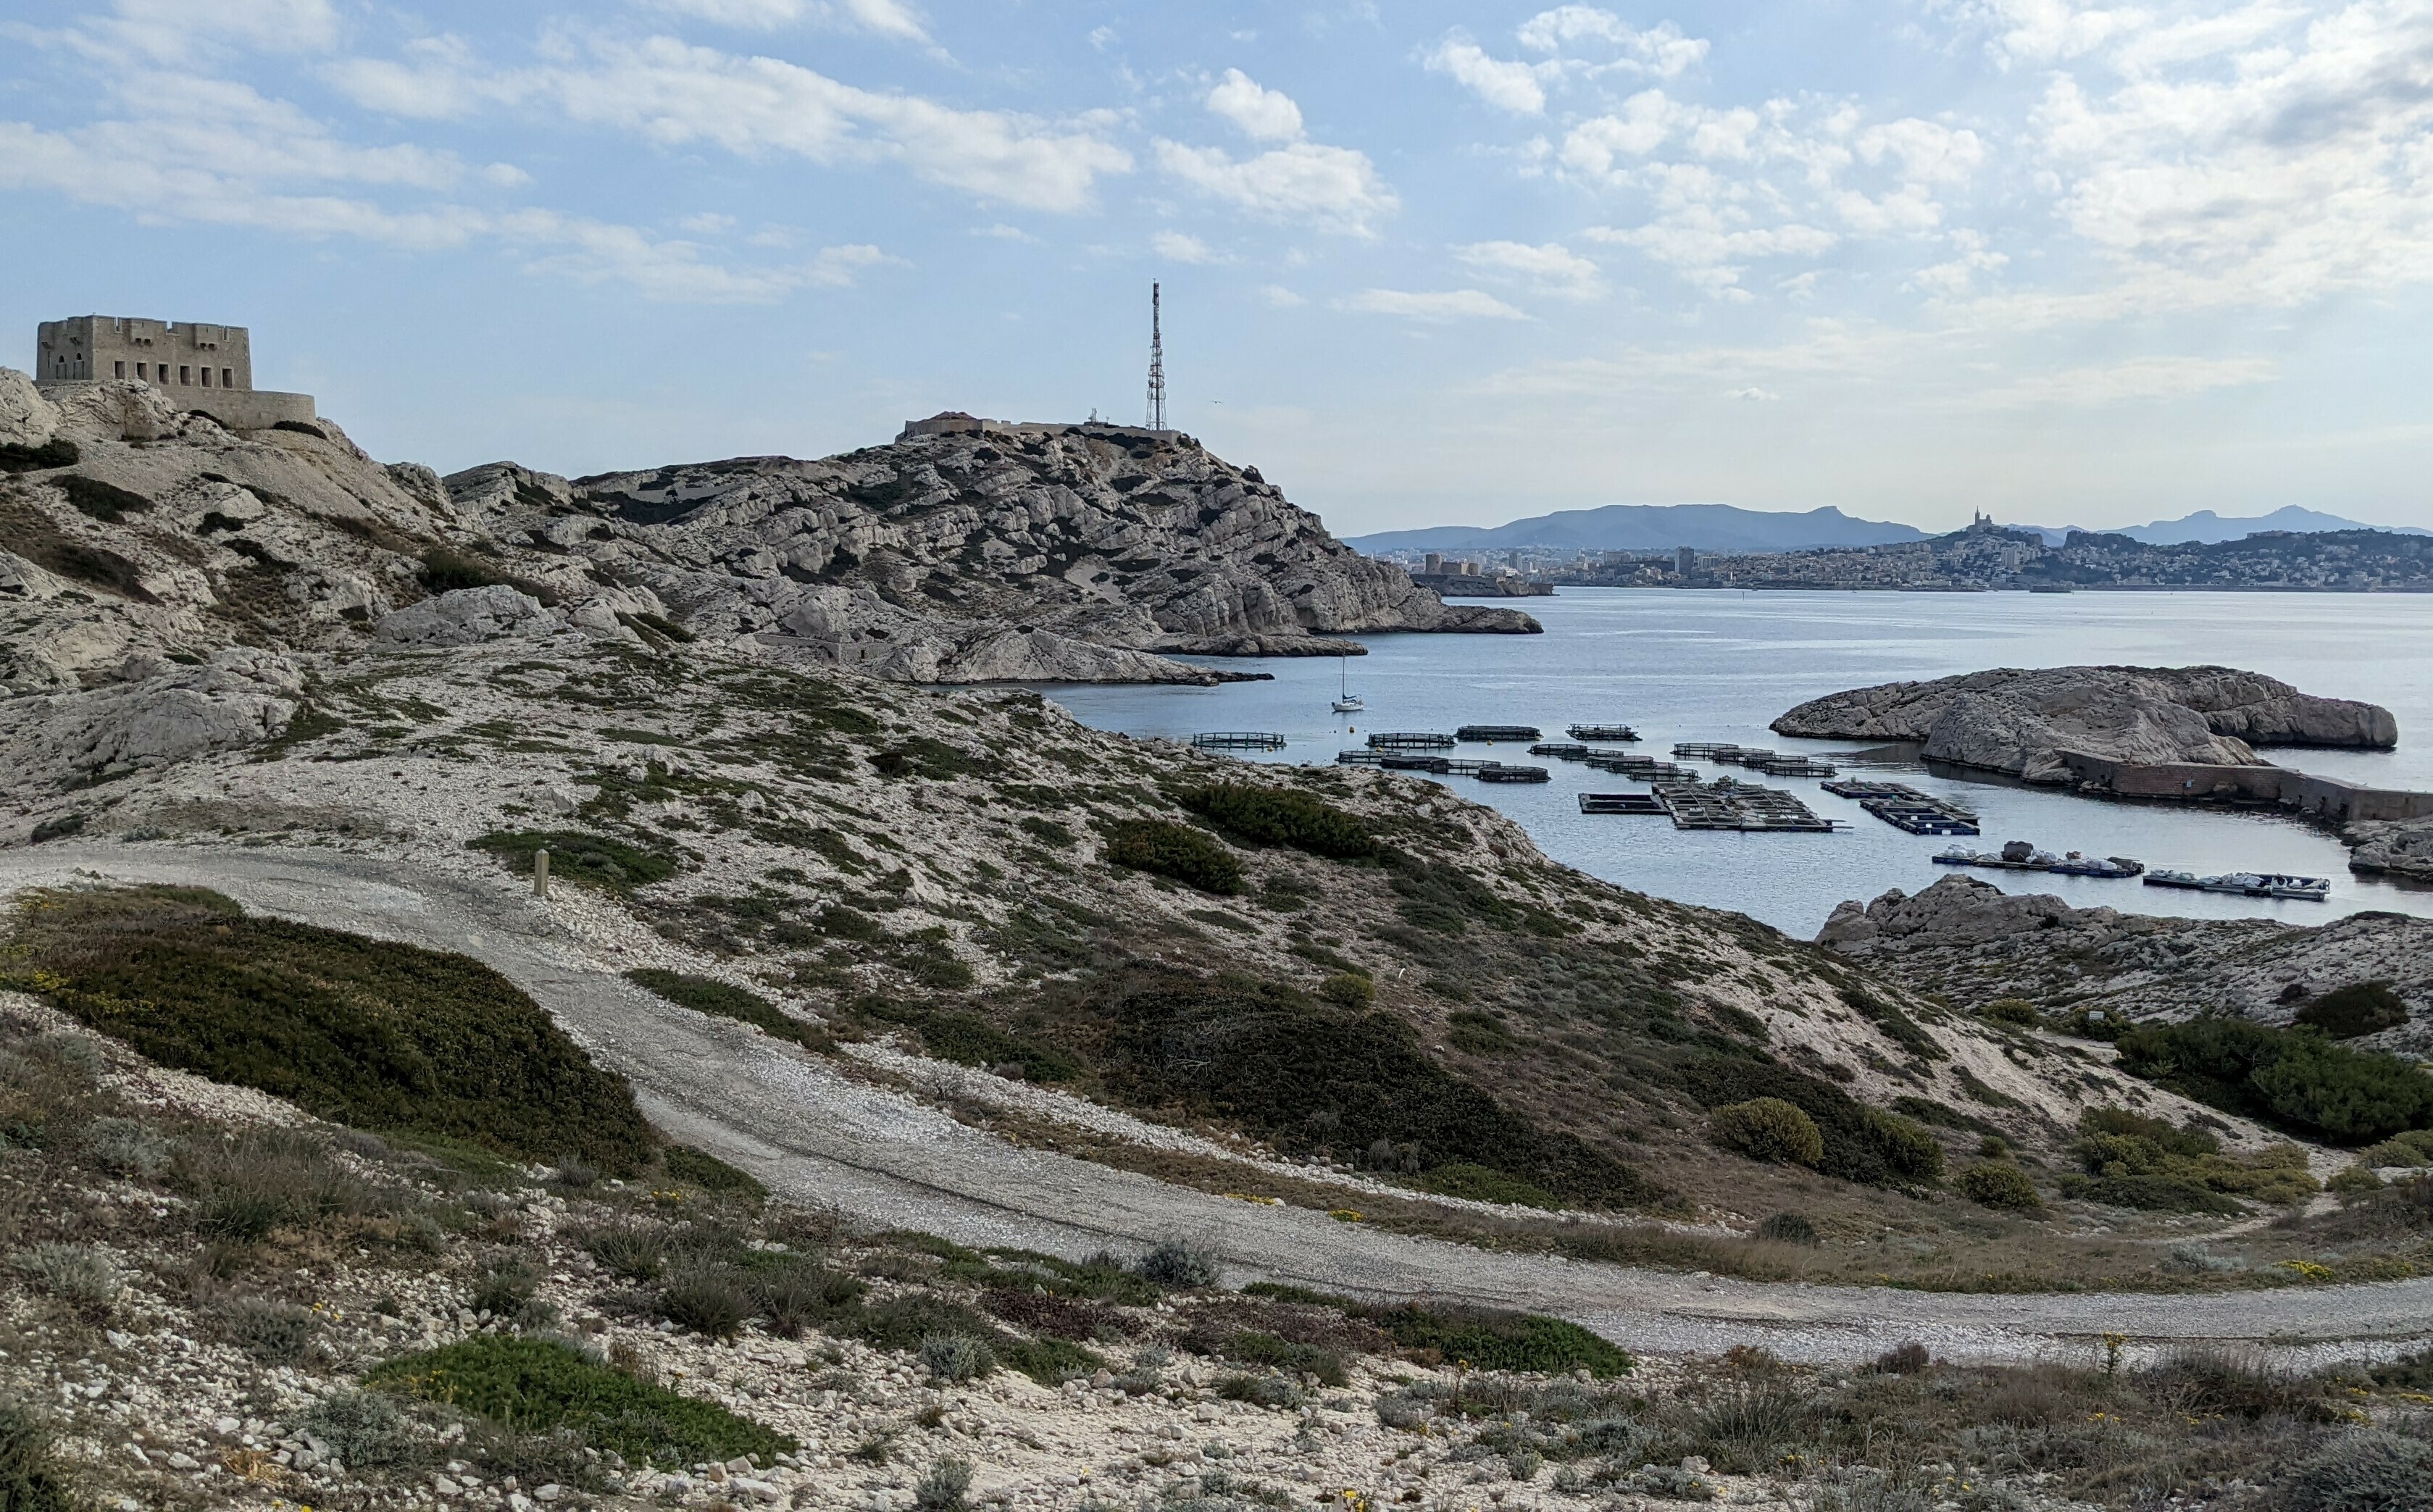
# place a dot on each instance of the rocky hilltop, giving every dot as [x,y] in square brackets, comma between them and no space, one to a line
[1969,941]
[2020,721]
[1082,553]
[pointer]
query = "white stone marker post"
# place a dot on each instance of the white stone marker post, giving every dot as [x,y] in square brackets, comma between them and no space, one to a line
[540,874]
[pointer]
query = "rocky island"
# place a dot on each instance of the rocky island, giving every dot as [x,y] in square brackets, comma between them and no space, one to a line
[2021,720]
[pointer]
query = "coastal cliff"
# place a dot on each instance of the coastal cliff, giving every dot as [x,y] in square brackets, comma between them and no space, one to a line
[137,531]
[2021,722]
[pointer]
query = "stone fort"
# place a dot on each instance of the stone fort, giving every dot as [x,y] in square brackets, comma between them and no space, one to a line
[200,367]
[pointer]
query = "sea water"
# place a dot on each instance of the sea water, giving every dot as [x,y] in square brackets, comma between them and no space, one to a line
[1692,665]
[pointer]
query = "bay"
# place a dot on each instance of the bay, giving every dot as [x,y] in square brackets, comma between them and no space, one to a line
[1690,665]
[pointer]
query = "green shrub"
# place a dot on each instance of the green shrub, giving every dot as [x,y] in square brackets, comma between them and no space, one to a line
[2370,1470]
[706,995]
[1484,1183]
[1768,1128]
[2347,1013]
[967,1039]
[1250,1347]
[1349,988]
[1862,1143]
[794,1297]
[2295,1079]
[1177,851]
[366,1429]
[1788,1227]
[945,1486]
[2137,1161]
[32,1479]
[272,1331]
[2017,1011]
[538,1385]
[1896,1026]
[264,1180]
[1271,1058]
[627,1251]
[77,1274]
[956,1356]
[707,1173]
[105,502]
[1475,1034]
[574,855]
[1180,1263]
[444,570]
[710,1302]
[361,1031]
[2001,1185]
[1494,1340]
[1051,1362]
[1279,816]
[2149,1193]
[56,452]
[1047,832]
[921,756]
[503,1288]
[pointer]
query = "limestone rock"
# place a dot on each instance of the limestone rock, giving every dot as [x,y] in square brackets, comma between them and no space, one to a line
[126,411]
[2020,722]
[465,617]
[26,419]
[2391,847]
[164,712]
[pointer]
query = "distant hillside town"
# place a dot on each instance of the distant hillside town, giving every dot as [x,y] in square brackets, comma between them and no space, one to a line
[1983,556]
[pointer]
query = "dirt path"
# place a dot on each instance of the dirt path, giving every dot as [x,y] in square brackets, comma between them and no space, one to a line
[816,1136]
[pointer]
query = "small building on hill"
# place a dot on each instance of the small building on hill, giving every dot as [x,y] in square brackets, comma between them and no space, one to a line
[199,366]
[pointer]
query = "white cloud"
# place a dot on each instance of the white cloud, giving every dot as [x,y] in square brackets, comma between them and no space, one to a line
[1753,394]
[1263,114]
[681,96]
[1550,269]
[706,223]
[838,267]
[178,31]
[1280,298]
[887,18]
[1506,85]
[1177,247]
[1450,304]
[2136,379]
[1659,51]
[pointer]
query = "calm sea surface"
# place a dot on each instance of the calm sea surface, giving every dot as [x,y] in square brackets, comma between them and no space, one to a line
[1717,666]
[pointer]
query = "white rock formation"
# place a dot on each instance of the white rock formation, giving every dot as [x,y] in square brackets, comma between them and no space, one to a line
[164,712]
[465,617]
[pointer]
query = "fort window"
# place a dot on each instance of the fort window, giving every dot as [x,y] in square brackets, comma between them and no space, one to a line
[140,372]
[207,377]
[185,374]
[227,378]
[118,369]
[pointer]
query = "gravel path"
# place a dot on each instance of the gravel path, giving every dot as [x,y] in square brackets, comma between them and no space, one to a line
[819,1137]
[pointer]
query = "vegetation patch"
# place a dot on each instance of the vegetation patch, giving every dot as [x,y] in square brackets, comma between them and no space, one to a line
[1860,1142]
[366,1032]
[592,860]
[536,1384]
[2347,1013]
[1768,1128]
[921,756]
[1281,816]
[706,995]
[1188,855]
[2001,1185]
[105,502]
[2131,1161]
[1312,1074]
[1487,1340]
[1896,1026]
[2298,1080]
[56,452]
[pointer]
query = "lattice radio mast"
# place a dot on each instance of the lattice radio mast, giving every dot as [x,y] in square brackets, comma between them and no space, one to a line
[1156,366]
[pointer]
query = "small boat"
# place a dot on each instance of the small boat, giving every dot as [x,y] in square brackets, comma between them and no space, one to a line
[2015,856]
[1347,702]
[2248,884]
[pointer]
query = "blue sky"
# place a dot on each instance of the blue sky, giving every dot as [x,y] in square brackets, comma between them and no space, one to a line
[2071,263]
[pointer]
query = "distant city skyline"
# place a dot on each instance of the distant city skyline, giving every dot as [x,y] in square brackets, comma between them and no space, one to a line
[1435,264]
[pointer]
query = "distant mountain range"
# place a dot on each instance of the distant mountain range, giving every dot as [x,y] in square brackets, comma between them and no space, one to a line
[1727,528]
[2207,528]
[1650,527]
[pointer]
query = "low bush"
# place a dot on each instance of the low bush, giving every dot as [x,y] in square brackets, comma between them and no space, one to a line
[445,570]
[2347,1013]
[1904,1359]
[104,502]
[2146,1163]
[630,1251]
[1180,1265]
[1253,1348]
[1279,816]
[272,1331]
[795,1297]
[1494,1340]
[708,995]
[574,855]
[366,1032]
[2414,1148]
[2017,1010]
[1788,1227]
[1860,1143]
[2370,1470]
[366,1429]
[1484,1183]
[17,457]
[264,1180]
[1768,1128]
[77,1274]
[956,1357]
[32,1478]
[538,1384]
[710,1302]
[1349,988]
[2296,1079]
[1050,1362]
[704,1172]
[944,1486]
[2001,1185]
[1166,849]
[503,1288]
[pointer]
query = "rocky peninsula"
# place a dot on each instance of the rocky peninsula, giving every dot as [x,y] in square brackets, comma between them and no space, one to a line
[2022,722]
[1084,552]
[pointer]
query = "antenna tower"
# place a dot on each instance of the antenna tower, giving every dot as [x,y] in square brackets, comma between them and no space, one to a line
[1156,366]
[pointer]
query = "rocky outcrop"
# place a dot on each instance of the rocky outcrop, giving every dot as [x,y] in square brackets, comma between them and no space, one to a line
[916,559]
[1972,943]
[2021,722]
[2391,848]
[466,616]
[162,713]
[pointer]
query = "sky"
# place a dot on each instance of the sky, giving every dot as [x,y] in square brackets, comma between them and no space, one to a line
[1423,263]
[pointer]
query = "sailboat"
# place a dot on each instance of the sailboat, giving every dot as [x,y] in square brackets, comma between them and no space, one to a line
[1346,701]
